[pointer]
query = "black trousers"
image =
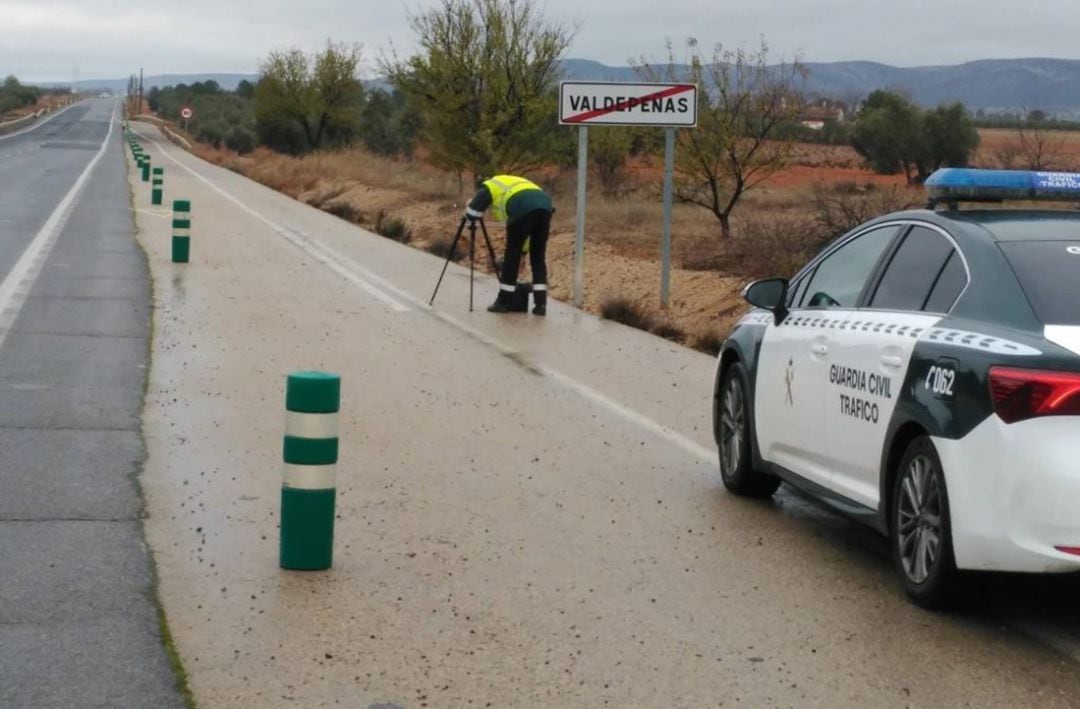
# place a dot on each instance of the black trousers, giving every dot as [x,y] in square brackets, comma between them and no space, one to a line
[534,226]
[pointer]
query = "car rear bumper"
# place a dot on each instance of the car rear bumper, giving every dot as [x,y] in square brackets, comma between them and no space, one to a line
[1014,494]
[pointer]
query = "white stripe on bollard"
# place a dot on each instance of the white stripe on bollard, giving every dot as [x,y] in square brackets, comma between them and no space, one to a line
[310,477]
[311,425]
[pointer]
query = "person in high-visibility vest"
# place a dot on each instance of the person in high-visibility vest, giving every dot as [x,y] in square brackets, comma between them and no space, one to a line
[526,210]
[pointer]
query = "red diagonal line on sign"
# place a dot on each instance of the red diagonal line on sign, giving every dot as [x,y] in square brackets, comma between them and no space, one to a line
[623,105]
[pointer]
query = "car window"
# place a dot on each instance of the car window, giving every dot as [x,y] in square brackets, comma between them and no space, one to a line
[1049,271]
[949,284]
[796,291]
[912,271]
[840,277]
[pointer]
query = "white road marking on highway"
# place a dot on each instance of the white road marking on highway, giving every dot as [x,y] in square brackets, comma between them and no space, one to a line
[164,214]
[296,238]
[347,268]
[38,125]
[625,412]
[21,278]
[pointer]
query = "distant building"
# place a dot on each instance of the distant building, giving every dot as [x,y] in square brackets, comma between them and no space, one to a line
[815,117]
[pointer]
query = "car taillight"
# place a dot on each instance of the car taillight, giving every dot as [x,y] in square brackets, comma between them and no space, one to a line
[1020,394]
[1069,550]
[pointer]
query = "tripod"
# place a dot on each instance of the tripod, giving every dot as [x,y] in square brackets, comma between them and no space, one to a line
[472,255]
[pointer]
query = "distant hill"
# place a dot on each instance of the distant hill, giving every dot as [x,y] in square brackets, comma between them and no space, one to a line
[119,86]
[993,85]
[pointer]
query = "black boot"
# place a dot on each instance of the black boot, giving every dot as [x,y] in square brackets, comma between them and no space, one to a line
[519,299]
[502,303]
[539,302]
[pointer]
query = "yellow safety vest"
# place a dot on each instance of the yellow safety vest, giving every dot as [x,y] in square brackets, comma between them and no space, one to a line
[502,188]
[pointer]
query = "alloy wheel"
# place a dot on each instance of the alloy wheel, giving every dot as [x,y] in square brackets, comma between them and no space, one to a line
[732,425]
[919,530]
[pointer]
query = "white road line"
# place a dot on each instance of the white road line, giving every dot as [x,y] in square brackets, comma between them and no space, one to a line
[638,419]
[348,268]
[21,278]
[35,126]
[297,239]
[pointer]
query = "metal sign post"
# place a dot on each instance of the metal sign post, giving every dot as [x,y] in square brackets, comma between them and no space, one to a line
[584,103]
[186,114]
[665,248]
[579,238]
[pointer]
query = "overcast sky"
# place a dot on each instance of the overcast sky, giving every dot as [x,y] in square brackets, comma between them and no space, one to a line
[41,39]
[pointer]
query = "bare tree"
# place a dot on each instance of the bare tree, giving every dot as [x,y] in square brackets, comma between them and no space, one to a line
[1039,146]
[742,101]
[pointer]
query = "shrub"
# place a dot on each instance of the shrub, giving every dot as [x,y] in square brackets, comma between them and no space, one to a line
[842,207]
[211,133]
[668,330]
[240,139]
[772,245]
[392,228]
[708,341]
[621,309]
[344,210]
[440,245]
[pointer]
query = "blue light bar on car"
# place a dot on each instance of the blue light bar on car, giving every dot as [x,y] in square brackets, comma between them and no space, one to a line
[954,184]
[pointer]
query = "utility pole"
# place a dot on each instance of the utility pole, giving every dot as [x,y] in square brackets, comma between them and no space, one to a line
[139,112]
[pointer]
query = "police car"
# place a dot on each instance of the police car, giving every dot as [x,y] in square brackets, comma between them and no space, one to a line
[922,374]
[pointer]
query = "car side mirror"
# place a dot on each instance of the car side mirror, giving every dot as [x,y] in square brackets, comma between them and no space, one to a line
[770,294]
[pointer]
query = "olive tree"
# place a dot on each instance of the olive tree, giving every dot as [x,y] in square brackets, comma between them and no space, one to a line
[894,135]
[482,81]
[304,101]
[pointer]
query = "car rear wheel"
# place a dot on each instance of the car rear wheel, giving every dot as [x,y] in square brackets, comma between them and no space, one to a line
[921,528]
[736,462]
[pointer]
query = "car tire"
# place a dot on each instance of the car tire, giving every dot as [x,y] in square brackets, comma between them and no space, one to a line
[922,529]
[734,430]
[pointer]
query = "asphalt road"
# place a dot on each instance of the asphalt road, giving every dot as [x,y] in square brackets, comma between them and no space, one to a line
[78,621]
[529,510]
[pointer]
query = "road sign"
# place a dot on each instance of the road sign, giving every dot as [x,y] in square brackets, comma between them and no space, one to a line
[610,103]
[186,113]
[587,103]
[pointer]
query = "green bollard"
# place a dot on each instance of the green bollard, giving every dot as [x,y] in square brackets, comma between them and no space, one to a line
[157,186]
[146,168]
[309,490]
[181,226]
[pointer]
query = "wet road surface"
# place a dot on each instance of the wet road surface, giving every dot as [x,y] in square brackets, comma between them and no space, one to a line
[529,511]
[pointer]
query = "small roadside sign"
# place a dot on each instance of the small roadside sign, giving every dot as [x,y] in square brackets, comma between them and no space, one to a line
[186,113]
[619,104]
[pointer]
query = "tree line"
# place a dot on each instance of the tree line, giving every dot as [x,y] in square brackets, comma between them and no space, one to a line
[300,103]
[480,95]
[15,95]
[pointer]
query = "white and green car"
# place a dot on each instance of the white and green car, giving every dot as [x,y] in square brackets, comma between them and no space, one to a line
[923,374]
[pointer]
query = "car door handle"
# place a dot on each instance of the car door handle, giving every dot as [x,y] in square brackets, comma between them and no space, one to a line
[894,361]
[819,349]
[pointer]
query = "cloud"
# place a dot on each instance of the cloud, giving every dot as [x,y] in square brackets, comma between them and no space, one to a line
[40,39]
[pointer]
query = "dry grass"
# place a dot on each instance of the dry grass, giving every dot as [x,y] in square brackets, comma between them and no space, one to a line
[331,170]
